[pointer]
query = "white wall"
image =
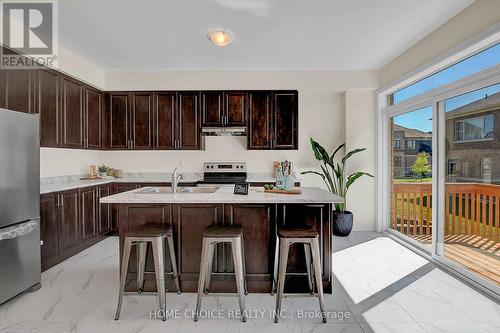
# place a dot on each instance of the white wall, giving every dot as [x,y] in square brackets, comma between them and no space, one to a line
[61,162]
[476,18]
[72,64]
[360,126]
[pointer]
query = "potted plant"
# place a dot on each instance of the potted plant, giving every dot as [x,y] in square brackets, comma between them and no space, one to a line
[334,175]
[102,170]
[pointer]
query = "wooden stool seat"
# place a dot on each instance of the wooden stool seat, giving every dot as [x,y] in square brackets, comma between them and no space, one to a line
[222,231]
[150,230]
[297,232]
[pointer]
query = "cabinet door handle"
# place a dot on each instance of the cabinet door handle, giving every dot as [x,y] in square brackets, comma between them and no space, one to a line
[62,200]
[57,200]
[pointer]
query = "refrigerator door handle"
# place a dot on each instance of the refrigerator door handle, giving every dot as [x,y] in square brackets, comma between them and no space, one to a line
[19,230]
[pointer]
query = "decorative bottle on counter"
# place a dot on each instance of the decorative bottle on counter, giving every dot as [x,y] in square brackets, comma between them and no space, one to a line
[280,179]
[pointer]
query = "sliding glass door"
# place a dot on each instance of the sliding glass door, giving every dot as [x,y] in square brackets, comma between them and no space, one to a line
[411,175]
[441,163]
[471,186]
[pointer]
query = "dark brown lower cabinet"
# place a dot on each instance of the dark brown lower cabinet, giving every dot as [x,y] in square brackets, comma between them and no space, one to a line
[70,221]
[70,229]
[49,229]
[103,211]
[88,212]
[260,223]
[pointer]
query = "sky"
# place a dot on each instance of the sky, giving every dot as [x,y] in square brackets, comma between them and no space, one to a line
[421,119]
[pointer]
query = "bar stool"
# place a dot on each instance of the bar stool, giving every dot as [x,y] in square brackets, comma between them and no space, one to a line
[308,236]
[141,236]
[213,235]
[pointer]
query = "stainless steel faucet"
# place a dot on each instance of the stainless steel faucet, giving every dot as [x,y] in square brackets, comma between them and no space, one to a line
[176,176]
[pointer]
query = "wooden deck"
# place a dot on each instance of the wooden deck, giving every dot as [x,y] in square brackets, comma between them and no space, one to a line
[476,253]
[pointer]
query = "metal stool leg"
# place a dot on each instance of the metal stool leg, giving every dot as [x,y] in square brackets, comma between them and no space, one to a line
[141,250]
[310,278]
[244,264]
[202,278]
[158,255]
[123,275]
[236,246]
[210,263]
[275,267]
[317,273]
[283,260]
[171,251]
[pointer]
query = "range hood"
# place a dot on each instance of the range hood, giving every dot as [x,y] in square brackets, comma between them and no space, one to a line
[224,131]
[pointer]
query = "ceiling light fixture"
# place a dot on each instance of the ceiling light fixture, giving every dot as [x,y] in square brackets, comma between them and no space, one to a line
[220,38]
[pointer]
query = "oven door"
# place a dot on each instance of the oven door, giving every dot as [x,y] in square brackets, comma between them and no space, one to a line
[226,185]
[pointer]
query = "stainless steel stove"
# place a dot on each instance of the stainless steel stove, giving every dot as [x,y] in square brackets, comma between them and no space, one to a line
[223,173]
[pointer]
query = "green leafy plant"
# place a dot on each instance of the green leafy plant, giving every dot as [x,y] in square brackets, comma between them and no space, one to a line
[421,166]
[102,168]
[334,172]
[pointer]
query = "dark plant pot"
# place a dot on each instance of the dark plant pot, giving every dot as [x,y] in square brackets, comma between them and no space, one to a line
[342,223]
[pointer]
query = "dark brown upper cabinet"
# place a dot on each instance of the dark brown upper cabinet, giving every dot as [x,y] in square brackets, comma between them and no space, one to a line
[285,120]
[223,108]
[17,90]
[165,120]
[188,129]
[273,120]
[141,120]
[93,118]
[47,105]
[118,123]
[235,108]
[259,120]
[71,113]
[212,108]
[130,120]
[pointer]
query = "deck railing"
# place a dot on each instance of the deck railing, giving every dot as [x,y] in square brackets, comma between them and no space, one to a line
[471,209]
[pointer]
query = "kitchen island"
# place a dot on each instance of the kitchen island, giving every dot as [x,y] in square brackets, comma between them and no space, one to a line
[259,213]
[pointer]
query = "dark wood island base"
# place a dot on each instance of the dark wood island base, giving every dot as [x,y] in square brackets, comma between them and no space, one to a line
[259,222]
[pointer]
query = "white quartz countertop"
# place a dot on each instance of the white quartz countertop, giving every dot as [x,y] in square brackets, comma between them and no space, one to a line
[69,184]
[225,195]
[64,183]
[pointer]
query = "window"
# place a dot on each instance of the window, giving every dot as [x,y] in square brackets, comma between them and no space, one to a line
[411,144]
[397,144]
[452,167]
[475,63]
[397,161]
[474,128]
[486,170]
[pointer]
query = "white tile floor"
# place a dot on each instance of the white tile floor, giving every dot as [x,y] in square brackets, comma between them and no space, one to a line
[379,286]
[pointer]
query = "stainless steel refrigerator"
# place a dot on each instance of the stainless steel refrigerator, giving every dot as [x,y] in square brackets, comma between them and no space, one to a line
[19,203]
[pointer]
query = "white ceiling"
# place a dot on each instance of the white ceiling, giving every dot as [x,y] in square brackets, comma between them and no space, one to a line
[269,34]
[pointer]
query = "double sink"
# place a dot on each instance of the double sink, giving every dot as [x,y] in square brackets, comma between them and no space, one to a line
[180,190]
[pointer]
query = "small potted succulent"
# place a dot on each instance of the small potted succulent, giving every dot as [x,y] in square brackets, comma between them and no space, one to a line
[102,170]
[334,175]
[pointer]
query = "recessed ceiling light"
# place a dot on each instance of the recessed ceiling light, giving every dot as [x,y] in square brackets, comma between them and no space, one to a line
[220,38]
